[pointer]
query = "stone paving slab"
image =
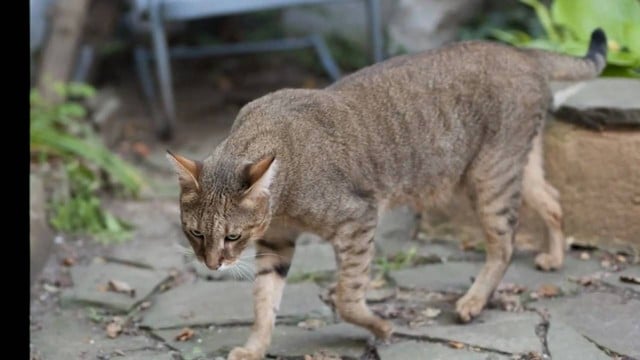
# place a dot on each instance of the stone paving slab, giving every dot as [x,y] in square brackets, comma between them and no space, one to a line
[312,258]
[156,220]
[497,330]
[306,238]
[614,278]
[343,339]
[90,282]
[433,351]
[591,94]
[445,252]
[223,302]
[164,256]
[68,335]
[395,231]
[456,276]
[148,355]
[566,343]
[606,319]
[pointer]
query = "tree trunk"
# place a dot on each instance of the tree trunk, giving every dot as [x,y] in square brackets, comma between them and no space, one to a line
[58,57]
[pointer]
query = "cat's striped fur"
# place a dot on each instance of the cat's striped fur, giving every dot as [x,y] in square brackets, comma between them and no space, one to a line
[412,129]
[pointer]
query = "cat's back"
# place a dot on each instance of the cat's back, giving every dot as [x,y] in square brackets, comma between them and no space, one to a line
[478,63]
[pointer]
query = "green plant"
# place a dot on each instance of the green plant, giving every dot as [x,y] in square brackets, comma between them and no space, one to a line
[568,25]
[60,134]
[398,261]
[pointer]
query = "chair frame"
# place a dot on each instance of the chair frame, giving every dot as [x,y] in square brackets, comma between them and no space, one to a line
[159,12]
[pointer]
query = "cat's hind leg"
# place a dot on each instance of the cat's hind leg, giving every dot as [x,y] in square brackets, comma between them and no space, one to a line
[495,185]
[543,198]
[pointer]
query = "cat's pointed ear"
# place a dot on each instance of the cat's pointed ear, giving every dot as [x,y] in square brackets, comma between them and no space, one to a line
[260,176]
[188,170]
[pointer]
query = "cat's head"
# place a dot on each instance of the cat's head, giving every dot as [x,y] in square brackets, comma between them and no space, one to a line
[223,207]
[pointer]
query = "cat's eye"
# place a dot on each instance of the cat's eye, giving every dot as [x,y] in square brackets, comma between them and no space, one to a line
[232,237]
[196,234]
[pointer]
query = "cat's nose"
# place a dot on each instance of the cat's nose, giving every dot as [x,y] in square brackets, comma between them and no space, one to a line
[211,263]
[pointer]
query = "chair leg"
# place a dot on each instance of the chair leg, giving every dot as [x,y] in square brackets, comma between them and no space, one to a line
[163,69]
[141,60]
[375,30]
[325,56]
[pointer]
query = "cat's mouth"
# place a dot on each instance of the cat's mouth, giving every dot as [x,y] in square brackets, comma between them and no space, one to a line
[226,265]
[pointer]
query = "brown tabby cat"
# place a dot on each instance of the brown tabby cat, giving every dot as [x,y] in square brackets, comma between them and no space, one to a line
[411,129]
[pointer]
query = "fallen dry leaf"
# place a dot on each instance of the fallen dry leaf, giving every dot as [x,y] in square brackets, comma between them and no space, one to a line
[141,149]
[185,334]
[585,280]
[467,245]
[548,290]
[377,283]
[508,301]
[455,344]
[121,287]
[68,261]
[431,312]
[114,328]
[145,305]
[311,324]
[585,255]
[224,83]
[630,279]
[322,355]
[50,288]
[310,83]
[621,259]
[511,288]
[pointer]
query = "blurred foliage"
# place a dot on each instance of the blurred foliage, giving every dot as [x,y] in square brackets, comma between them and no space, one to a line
[510,15]
[398,261]
[59,133]
[568,24]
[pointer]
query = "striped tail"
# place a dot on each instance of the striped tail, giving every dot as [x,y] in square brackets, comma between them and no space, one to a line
[569,68]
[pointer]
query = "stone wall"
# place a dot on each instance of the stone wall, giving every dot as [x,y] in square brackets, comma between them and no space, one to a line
[411,25]
[598,177]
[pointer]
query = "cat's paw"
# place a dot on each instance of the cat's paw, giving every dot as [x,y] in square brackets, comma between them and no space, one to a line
[548,262]
[469,306]
[382,330]
[240,353]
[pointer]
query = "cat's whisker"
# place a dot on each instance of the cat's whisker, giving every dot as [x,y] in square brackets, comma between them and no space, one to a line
[246,269]
[240,269]
[268,254]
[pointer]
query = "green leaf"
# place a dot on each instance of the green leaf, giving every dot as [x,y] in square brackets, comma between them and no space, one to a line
[80,90]
[545,18]
[514,37]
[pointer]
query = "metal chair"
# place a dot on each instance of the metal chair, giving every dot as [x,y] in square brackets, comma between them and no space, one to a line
[151,16]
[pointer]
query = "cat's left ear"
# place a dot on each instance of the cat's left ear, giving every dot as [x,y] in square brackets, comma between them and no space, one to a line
[188,171]
[260,176]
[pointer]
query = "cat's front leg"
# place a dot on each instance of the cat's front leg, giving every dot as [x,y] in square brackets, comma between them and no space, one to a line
[273,259]
[354,246]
